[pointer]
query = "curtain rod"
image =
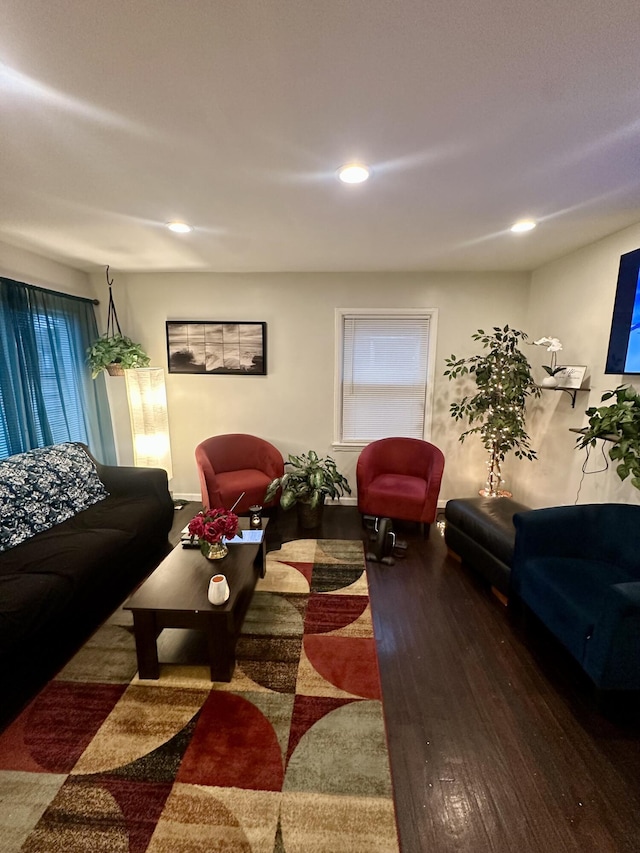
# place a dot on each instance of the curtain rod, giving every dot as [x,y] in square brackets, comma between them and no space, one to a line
[54,292]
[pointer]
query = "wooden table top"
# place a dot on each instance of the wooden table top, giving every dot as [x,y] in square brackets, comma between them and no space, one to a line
[181,581]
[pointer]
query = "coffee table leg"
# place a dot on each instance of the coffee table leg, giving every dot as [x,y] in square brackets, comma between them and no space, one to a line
[221,646]
[144,627]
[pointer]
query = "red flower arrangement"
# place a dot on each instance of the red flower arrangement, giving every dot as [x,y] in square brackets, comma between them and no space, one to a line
[213,525]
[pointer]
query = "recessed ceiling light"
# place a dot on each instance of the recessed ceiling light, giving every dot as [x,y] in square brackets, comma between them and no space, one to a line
[353,173]
[179,227]
[523,225]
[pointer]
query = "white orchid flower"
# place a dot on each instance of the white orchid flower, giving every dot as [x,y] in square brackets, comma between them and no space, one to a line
[552,344]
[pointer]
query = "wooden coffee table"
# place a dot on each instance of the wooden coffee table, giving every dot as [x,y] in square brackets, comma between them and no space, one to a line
[175,596]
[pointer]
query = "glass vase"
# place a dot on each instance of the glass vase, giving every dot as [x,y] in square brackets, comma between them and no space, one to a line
[217,550]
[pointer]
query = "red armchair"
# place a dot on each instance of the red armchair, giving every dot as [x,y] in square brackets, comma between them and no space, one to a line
[400,478]
[229,465]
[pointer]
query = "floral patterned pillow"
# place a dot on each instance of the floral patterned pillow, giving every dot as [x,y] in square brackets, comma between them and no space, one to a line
[42,488]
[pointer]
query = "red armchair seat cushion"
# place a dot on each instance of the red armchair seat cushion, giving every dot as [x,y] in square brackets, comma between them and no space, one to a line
[248,480]
[406,494]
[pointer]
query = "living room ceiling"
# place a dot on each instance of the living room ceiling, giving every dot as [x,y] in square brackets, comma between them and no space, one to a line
[234,116]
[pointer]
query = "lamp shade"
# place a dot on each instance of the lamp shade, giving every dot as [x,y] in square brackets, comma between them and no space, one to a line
[147,397]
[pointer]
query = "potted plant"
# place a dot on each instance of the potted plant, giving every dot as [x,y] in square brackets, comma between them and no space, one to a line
[553,346]
[308,482]
[619,422]
[497,410]
[115,353]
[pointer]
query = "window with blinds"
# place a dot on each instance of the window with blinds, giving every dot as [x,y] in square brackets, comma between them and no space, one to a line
[58,345]
[58,390]
[47,395]
[386,374]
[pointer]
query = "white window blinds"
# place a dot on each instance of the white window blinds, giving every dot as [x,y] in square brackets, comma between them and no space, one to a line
[58,354]
[385,368]
[59,350]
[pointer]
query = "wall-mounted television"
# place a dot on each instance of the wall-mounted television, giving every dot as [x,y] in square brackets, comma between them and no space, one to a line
[624,341]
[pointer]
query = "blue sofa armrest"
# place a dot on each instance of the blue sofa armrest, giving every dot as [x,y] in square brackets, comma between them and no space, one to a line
[612,655]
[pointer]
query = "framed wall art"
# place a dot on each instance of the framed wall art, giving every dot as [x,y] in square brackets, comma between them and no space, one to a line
[217,347]
[571,376]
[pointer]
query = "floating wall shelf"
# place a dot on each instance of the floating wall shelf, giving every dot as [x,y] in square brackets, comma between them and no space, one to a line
[582,431]
[570,391]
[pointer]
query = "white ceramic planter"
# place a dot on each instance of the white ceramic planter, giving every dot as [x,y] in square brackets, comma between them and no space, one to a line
[218,590]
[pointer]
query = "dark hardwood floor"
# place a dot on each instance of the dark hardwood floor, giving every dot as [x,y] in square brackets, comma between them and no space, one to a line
[496,741]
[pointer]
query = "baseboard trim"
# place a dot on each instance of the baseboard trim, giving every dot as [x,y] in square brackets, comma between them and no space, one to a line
[193,496]
[341,502]
[346,501]
[187,496]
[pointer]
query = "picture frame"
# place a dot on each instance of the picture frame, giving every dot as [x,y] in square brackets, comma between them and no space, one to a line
[571,375]
[217,347]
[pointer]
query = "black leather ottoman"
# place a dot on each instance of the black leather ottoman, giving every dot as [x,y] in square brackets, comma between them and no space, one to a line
[480,532]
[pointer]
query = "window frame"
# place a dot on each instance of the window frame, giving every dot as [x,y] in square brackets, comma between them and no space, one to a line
[364,313]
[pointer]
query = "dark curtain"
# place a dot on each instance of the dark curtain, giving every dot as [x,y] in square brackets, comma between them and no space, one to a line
[46,391]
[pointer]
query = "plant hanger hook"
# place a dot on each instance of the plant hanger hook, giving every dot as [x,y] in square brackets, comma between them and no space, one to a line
[112,317]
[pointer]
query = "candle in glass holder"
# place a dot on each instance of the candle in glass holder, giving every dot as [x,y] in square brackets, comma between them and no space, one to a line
[255,517]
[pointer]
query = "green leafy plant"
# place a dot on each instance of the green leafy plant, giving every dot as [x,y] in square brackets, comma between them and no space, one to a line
[310,480]
[115,349]
[619,422]
[496,412]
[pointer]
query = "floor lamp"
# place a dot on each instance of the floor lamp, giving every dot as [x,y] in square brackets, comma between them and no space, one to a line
[147,398]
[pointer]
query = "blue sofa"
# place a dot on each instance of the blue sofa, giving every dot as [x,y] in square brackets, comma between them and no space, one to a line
[577,568]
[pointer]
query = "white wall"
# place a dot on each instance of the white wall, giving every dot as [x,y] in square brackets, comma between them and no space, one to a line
[572,299]
[293,405]
[34,269]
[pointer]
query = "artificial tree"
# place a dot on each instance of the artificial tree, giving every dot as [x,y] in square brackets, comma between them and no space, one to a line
[497,410]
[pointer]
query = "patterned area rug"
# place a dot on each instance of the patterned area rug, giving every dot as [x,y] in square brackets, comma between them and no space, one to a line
[290,757]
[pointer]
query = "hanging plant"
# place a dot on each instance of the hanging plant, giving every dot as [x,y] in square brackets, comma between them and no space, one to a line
[113,351]
[497,410]
[619,423]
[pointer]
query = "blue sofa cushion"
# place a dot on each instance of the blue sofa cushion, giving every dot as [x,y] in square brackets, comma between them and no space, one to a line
[44,487]
[619,629]
[568,596]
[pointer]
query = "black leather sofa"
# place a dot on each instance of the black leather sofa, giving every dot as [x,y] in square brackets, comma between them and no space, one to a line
[481,533]
[59,584]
